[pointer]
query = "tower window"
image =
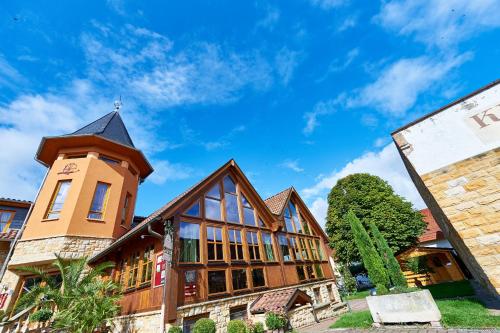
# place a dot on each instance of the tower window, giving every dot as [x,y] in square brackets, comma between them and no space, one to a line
[57,202]
[126,208]
[5,220]
[108,159]
[99,201]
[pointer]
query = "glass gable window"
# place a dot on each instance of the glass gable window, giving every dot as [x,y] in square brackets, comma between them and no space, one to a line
[285,251]
[212,204]
[253,245]
[261,223]
[58,199]
[295,218]
[189,239]
[307,230]
[320,250]
[216,282]
[258,279]
[248,213]
[239,279]
[214,244]
[295,248]
[288,220]
[231,200]
[268,246]
[235,244]
[99,201]
[194,210]
[303,246]
[5,220]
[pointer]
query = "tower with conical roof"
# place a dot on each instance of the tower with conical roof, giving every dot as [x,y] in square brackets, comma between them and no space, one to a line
[87,198]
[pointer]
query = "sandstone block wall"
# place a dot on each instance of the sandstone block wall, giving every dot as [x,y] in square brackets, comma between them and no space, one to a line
[466,203]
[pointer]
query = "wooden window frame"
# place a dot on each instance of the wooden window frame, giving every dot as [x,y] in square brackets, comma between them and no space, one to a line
[263,273]
[319,248]
[200,243]
[11,218]
[302,267]
[50,208]
[253,248]
[133,269]
[215,242]
[294,244]
[265,247]
[126,209]
[222,204]
[229,230]
[147,265]
[249,206]
[104,202]
[232,284]
[304,249]
[280,236]
[312,247]
[200,210]
[227,291]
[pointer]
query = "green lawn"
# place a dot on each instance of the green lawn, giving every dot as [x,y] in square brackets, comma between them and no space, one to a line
[456,313]
[358,295]
[451,289]
[361,319]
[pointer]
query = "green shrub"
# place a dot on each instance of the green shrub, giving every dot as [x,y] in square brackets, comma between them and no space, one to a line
[371,259]
[204,325]
[349,280]
[175,329]
[275,321]
[236,326]
[41,315]
[258,327]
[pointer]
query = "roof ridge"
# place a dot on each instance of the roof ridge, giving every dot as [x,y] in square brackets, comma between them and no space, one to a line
[274,195]
[97,120]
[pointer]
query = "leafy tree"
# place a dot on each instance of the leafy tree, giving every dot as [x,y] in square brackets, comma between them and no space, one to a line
[349,280]
[372,200]
[371,259]
[391,264]
[84,299]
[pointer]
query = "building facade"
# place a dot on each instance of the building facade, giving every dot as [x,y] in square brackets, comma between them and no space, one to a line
[230,247]
[453,157]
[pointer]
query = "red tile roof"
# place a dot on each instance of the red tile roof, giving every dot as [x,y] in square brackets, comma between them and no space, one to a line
[432,232]
[280,300]
[277,202]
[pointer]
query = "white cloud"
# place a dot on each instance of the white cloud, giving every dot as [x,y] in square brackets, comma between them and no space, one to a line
[399,84]
[319,209]
[437,22]
[347,23]
[270,19]
[380,142]
[167,171]
[328,4]
[292,165]
[338,65]
[321,108]
[286,63]
[9,76]
[385,163]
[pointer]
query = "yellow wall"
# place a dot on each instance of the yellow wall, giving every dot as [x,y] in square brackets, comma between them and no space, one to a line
[73,217]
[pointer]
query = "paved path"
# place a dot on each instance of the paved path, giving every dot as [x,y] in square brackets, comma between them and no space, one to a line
[409,330]
[358,304]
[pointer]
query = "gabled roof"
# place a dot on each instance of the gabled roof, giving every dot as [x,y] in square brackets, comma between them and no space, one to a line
[280,300]
[433,231]
[110,126]
[277,202]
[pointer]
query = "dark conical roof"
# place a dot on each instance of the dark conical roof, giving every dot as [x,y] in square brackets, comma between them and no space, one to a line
[110,127]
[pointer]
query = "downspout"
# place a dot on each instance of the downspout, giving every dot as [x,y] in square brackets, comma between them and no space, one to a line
[167,258]
[19,234]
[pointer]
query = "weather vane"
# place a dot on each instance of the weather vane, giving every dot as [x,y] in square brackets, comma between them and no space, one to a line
[118,104]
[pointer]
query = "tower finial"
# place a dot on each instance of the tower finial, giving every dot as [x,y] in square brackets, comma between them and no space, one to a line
[118,104]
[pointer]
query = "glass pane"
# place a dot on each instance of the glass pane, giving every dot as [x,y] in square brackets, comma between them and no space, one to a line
[245,202]
[99,197]
[319,271]
[261,223]
[307,231]
[218,234]
[232,208]
[284,248]
[249,216]
[320,250]
[229,186]
[268,246]
[5,217]
[219,251]
[296,250]
[212,209]
[194,210]
[214,192]
[239,279]
[310,272]
[240,252]
[258,277]
[289,224]
[189,235]
[216,282]
[300,273]
[211,251]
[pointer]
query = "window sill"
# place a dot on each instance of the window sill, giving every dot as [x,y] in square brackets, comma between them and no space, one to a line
[50,220]
[239,262]
[219,295]
[185,264]
[124,227]
[95,220]
[240,291]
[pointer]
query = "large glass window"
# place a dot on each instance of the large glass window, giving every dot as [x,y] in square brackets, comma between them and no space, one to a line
[99,201]
[253,245]
[285,250]
[212,204]
[258,279]
[303,246]
[231,200]
[307,230]
[318,270]
[194,210]
[301,272]
[239,279]
[313,249]
[295,248]
[57,202]
[5,220]
[248,213]
[189,237]
[288,220]
[295,218]
[235,244]
[214,244]
[320,250]
[268,246]
[147,264]
[216,281]
[133,270]
[310,272]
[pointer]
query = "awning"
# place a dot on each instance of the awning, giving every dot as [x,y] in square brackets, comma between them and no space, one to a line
[280,300]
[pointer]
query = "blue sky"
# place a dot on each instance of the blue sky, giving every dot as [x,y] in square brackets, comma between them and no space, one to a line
[298,92]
